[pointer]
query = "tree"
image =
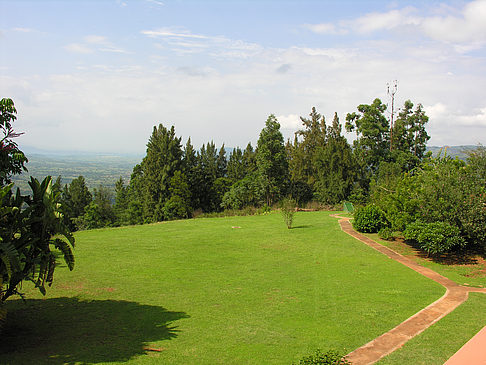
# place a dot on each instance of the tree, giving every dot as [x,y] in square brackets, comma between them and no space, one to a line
[163,159]
[236,166]
[12,160]
[372,145]
[313,137]
[372,132]
[135,193]
[409,136]
[99,212]
[249,159]
[222,163]
[271,159]
[335,167]
[178,206]
[244,193]
[120,207]
[76,196]
[189,166]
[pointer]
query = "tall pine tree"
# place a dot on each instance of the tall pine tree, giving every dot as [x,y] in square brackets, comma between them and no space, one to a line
[163,159]
[271,160]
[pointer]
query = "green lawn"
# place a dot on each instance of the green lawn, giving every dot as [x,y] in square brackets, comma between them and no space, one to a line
[440,341]
[468,273]
[207,293]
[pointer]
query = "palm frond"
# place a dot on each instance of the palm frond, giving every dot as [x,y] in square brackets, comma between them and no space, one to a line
[66,250]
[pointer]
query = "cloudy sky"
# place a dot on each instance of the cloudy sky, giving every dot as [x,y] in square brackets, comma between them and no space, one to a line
[98,75]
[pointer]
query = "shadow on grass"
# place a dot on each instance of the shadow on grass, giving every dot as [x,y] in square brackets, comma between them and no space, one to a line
[460,257]
[70,330]
[301,226]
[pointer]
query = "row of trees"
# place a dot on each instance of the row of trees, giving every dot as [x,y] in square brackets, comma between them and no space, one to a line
[175,181]
[319,164]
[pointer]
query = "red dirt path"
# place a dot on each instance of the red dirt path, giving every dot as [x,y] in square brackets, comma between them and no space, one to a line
[390,341]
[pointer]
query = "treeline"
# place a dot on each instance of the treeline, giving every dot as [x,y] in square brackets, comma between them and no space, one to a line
[175,181]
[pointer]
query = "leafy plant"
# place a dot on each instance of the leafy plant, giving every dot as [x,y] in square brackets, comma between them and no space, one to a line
[30,225]
[369,219]
[288,207]
[331,357]
[12,160]
[386,233]
[436,237]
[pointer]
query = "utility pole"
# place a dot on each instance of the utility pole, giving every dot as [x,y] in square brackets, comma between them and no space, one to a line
[391,91]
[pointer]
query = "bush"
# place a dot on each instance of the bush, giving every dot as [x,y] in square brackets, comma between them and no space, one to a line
[437,237]
[331,357]
[288,208]
[369,219]
[386,233]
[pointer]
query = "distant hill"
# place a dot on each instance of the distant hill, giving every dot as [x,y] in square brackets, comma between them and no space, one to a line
[453,151]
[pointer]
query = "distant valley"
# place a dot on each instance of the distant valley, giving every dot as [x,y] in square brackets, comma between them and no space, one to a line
[104,169]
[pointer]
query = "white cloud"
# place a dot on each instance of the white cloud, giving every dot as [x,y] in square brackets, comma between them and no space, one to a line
[325,28]
[78,48]
[95,39]
[183,41]
[94,43]
[477,119]
[385,21]
[291,121]
[467,26]
[23,30]
[464,28]
[168,32]
[156,2]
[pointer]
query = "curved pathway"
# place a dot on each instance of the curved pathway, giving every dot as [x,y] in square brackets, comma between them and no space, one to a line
[390,341]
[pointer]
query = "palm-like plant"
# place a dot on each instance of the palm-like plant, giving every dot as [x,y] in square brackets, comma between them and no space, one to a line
[29,227]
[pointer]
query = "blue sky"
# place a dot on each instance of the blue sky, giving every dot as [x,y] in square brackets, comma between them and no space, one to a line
[98,75]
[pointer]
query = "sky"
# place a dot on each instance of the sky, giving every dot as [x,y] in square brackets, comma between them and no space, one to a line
[97,76]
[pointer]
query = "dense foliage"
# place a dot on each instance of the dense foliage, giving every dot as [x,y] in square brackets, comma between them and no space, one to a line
[12,160]
[441,204]
[330,357]
[369,219]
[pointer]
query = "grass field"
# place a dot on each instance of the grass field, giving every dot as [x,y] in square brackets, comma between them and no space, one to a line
[236,290]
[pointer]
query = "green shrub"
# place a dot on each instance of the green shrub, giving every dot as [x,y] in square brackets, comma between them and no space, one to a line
[473,218]
[331,357]
[288,207]
[386,233]
[369,219]
[436,237]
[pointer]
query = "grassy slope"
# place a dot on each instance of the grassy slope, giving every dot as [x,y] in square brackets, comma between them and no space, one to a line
[207,293]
